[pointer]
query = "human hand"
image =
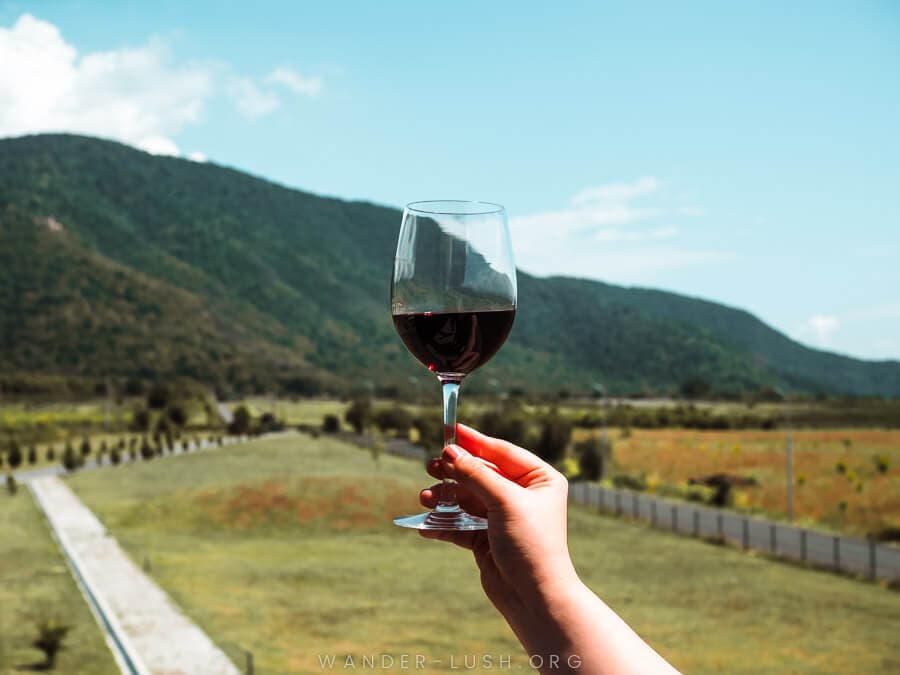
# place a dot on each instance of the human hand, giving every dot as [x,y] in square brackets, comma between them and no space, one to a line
[523,555]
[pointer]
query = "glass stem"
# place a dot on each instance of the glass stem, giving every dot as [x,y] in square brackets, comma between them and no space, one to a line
[450,390]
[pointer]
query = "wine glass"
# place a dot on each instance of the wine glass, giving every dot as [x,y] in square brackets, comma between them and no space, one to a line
[453,302]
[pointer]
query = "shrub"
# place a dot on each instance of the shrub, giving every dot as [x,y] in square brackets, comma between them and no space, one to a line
[723,495]
[51,454]
[51,634]
[629,482]
[593,456]
[840,468]
[331,424]
[882,463]
[115,456]
[32,455]
[11,485]
[85,447]
[359,414]
[14,456]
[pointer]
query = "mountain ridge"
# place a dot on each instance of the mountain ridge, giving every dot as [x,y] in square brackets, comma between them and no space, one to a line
[295,287]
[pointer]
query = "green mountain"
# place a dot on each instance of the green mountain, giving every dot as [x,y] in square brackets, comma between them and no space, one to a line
[115,263]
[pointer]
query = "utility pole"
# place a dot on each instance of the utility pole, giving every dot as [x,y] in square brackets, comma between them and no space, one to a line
[789,456]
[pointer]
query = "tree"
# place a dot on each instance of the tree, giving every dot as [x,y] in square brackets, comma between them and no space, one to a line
[556,431]
[593,456]
[331,424]
[85,447]
[240,421]
[146,449]
[176,415]
[70,460]
[140,419]
[695,387]
[115,456]
[396,418]
[51,454]
[14,456]
[158,396]
[359,414]
[32,455]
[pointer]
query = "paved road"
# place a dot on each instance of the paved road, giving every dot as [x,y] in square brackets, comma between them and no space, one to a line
[153,636]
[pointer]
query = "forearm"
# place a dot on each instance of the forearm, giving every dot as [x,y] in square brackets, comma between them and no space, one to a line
[566,628]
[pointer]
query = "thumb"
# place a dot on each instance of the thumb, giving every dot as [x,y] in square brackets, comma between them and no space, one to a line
[484,483]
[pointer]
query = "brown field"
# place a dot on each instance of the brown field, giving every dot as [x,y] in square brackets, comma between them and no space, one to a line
[871,499]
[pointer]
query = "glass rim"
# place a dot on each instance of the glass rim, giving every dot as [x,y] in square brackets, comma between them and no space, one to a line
[445,207]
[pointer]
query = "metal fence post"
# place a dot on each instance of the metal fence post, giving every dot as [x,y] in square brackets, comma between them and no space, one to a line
[602,500]
[773,538]
[635,510]
[873,563]
[674,518]
[696,523]
[720,526]
[803,545]
[745,532]
[836,546]
[618,503]
[652,512]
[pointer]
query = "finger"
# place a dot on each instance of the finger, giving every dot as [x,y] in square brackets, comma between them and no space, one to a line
[512,460]
[435,467]
[488,486]
[464,538]
[429,497]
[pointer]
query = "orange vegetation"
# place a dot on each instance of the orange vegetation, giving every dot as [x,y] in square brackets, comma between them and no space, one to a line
[837,482]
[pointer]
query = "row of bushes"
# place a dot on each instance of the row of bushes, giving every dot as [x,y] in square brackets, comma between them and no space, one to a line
[682,416]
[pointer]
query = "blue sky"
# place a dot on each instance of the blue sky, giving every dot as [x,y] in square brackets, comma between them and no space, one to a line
[748,153]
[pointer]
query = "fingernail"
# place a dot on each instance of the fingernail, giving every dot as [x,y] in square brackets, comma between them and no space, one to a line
[452,453]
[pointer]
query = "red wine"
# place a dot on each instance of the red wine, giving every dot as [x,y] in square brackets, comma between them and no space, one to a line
[454,342]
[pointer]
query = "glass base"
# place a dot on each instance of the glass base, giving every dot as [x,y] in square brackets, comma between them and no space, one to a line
[443,519]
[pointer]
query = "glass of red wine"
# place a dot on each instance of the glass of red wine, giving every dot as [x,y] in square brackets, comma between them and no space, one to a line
[453,301]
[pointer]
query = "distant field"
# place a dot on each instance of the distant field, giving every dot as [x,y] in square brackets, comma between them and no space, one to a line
[871,499]
[284,547]
[35,584]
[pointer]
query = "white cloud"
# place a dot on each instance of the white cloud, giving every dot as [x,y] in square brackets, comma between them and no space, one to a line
[159,145]
[134,94]
[290,78]
[602,234]
[820,329]
[616,193]
[138,95]
[251,101]
[197,157]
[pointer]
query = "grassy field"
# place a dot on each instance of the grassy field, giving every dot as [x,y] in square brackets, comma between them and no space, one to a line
[34,585]
[285,548]
[837,483]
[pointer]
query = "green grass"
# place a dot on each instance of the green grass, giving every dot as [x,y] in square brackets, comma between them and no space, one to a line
[285,547]
[35,584]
